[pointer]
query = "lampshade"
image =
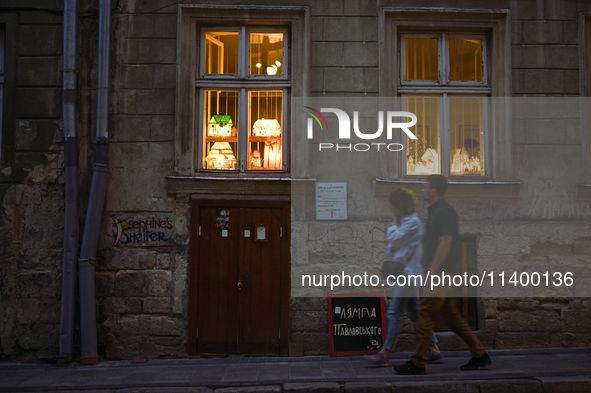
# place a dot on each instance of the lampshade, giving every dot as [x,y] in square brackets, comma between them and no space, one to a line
[266,127]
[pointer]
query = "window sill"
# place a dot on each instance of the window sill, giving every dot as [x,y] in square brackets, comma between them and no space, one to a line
[455,189]
[222,185]
[583,192]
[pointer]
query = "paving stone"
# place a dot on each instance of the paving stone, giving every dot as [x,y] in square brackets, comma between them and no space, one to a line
[312,387]
[251,389]
[514,386]
[368,387]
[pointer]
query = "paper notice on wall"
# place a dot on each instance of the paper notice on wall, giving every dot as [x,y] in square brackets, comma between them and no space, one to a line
[331,201]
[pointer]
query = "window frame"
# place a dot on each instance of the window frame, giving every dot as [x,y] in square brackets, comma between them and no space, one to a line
[496,25]
[243,118]
[444,89]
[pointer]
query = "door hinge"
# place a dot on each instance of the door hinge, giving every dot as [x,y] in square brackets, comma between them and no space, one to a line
[199,230]
[280,231]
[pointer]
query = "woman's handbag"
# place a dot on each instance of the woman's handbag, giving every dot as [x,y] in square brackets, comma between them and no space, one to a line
[392,268]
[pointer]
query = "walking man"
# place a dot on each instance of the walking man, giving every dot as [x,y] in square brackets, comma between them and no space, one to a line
[442,252]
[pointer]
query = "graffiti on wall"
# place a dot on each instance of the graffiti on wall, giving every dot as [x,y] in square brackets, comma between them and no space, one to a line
[140,231]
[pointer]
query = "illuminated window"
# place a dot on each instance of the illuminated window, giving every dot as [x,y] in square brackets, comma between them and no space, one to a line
[243,88]
[444,83]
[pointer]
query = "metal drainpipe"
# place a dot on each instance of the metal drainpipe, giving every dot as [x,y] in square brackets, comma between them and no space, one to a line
[71,230]
[98,190]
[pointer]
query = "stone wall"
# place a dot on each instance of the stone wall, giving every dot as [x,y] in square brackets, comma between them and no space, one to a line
[142,287]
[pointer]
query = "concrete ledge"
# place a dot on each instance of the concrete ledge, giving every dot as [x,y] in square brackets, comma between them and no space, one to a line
[368,387]
[566,384]
[455,189]
[312,387]
[511,386]
[251,389]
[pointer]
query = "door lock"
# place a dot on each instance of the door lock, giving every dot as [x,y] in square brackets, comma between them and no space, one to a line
[239,286]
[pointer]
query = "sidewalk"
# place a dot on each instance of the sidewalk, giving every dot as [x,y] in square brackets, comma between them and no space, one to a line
[543,370]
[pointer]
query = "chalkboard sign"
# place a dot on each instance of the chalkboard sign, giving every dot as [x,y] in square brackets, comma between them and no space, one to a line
[357,324]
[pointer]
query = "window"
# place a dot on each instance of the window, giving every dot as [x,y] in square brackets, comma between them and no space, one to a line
[444,82]
[243,86]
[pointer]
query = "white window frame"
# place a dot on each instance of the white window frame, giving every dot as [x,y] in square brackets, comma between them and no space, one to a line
[243,82]
[444,89]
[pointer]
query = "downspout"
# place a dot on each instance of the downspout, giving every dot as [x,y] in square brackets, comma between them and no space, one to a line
[71,230]
[98,190]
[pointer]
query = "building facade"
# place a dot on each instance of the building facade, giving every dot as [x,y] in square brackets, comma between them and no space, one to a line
[210,219]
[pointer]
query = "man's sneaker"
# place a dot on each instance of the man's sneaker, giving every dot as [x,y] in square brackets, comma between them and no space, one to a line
[435,358]
[409,368]
[476,363]
[377,359]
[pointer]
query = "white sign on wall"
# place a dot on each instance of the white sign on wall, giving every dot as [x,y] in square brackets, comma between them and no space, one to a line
[331,201]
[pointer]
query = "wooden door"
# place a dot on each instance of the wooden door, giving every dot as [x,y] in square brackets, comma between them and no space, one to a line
[239,287]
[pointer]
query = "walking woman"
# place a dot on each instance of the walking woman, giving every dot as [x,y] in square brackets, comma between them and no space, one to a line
[404,247]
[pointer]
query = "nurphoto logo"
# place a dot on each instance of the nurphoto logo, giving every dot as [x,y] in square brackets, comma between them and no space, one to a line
[345,129]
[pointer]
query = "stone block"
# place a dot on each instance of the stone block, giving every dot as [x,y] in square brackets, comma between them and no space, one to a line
[314,343]
[532,9]
[39,71]
[158,282]
[361,54]
[27,311]
[327,8]
[312,321]
[571,320]
[121,305]
[163,128]
[512,386]
[130,258]
[152,184]
[105,283]
[308,304]
[343,80]
[316,28]
[543,81]
[342,29]
[36,284]
[36,135]
[50,311]
[312,387]
[369,27]
[570,32]
[361,7]
[40,17]
[516,32]
[165,77]
[368,387]
[40,40]
[529,321]
[551,249]
[561,57]
[528,305]
[141,155]
[517,81]
[124,347]
[141,26]
[565,384]
[36,102]
[582,246]
[571,82]
[522,340]
[436,387]
[327,54]
[156,51]
[131,128]
[137,76]
[130,283]
[181,269]
[155,102]
[123,101]
[157,305]
[372,80]
[573,131]
[146,325]
[560,10]
[528,56]
[251,389]
[542,32]
[162,261]
[165,25]
[317,79]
